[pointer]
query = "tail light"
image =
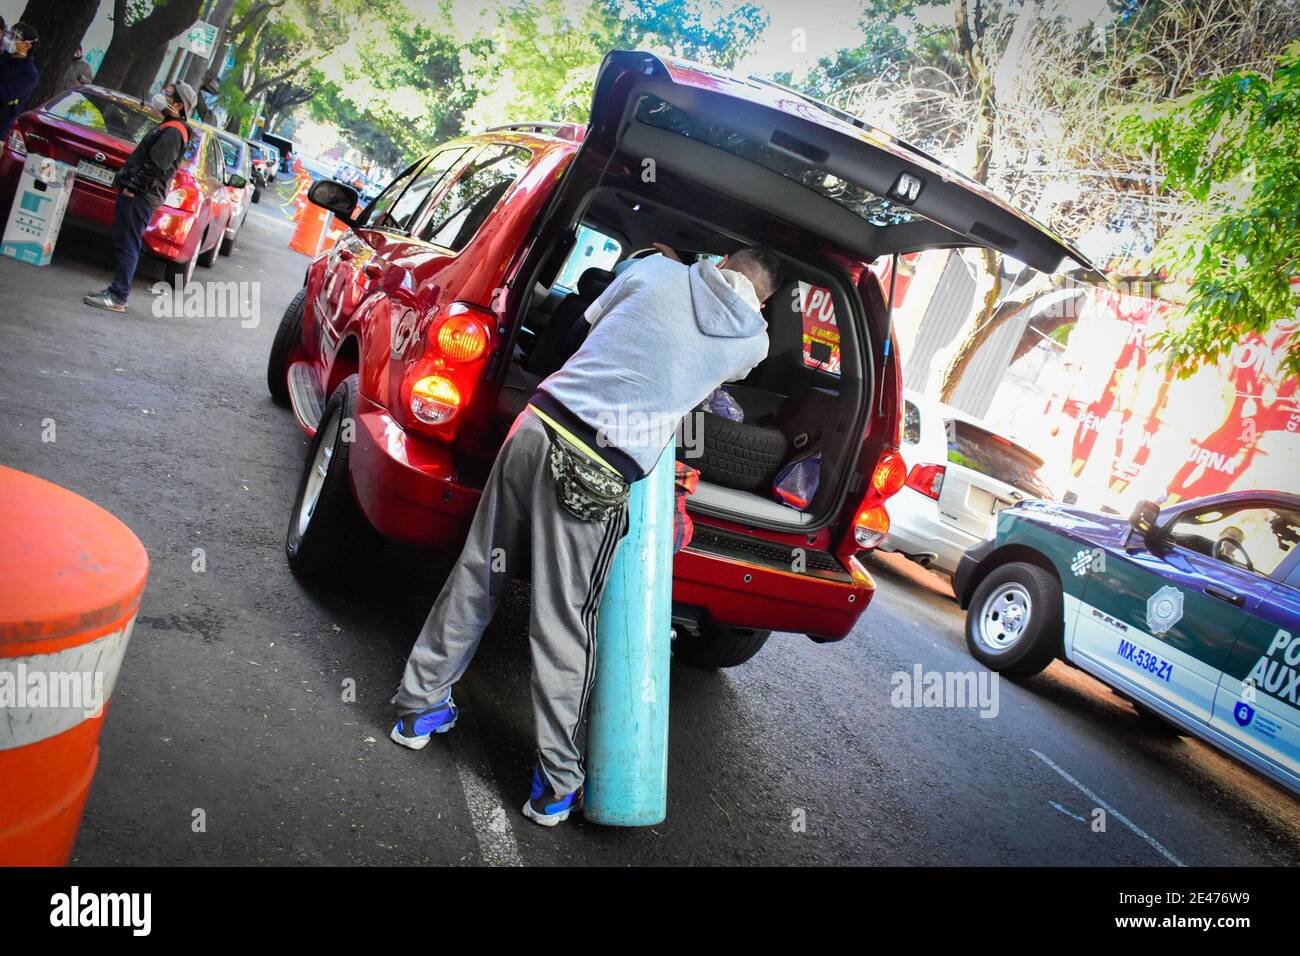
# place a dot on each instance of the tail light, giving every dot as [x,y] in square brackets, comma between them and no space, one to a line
[927,479]
[17,143]
[184,195]
[871,523]
[441,381]
[435,399]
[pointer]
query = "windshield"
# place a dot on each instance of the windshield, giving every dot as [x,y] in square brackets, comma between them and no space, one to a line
[995,456]
[104,114]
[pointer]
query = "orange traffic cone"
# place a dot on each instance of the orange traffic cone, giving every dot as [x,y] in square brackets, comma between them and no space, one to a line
[310,231]
[73,575]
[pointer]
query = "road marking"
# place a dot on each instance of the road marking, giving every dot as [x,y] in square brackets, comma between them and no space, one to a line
[1067,812]
[496,840]
[1151,841]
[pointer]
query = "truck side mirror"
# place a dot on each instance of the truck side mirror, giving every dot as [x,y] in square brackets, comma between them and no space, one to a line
[1143,524]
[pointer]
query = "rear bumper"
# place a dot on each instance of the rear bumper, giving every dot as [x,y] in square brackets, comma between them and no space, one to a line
[915,528]
[408,489]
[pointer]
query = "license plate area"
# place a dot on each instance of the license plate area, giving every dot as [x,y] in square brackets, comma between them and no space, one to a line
[95,172]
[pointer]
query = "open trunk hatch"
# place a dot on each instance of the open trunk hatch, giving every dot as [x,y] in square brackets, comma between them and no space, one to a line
[878,194]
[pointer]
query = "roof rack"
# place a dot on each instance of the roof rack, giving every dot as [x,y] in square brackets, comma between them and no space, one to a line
[572,131]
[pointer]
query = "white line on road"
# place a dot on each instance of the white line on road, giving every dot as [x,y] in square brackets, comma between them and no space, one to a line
[496,841]
[1154,844]
[1067,812]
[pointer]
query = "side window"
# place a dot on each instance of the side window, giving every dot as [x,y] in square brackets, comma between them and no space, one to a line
[911,423]
[591,250]
[821,336]
[1253,538]
[402,216]
[465,207]
[384,201]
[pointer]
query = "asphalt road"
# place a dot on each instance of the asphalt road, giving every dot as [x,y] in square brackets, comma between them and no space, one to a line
[231,698]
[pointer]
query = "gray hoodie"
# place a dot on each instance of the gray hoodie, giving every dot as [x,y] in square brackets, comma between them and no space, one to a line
[663,336]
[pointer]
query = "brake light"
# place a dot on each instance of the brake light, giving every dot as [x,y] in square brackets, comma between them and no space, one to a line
[185,197]
[927,479]
[435,399]
[890,473]
[462,338]
[17,143]
[871,526]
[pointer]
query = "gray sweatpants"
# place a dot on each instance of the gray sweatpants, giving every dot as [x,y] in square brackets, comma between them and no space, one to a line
[520,515]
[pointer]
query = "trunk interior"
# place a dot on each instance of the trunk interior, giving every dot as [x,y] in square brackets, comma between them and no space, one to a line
[808,397]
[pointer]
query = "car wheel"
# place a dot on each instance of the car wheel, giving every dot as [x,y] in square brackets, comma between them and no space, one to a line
[228,243]
[715,646]
[328,534]
[739,455]
[1014,622]
[257,195]
[183,271]
[209,258]
[287,336]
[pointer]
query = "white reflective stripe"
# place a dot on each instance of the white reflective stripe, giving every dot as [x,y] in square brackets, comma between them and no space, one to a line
[45,694]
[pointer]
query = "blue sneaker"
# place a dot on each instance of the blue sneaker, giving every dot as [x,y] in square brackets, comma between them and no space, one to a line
[544,806]
[414,730]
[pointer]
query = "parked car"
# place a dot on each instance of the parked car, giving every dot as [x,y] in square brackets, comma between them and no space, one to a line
[1191,612]
[237,155]
[283,150]
[261,161]
[95,129]
[433,319]
[960,475]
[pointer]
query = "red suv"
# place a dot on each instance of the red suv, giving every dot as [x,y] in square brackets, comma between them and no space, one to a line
[417,339]
[95,130]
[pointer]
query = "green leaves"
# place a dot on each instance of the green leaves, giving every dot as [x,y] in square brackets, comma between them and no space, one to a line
[1233,149]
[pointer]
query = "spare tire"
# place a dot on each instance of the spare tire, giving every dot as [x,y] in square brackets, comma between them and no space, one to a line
[738,455]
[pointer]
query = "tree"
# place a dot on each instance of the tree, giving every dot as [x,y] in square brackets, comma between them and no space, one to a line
[61,28]
[1231,151]
[140,42]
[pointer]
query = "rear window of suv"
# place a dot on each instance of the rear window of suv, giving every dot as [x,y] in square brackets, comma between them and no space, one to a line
[995,456]
[657,112]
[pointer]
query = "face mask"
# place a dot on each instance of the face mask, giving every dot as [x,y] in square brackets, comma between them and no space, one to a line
[160,102]
[9,44]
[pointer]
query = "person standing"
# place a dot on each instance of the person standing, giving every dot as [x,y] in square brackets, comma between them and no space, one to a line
[79,72]
[143,182]
[18,74]
[557,494]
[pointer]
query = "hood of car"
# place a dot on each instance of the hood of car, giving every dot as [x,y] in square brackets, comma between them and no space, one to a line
[854,182]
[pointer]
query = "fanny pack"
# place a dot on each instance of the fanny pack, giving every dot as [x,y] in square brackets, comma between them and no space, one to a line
[585,489]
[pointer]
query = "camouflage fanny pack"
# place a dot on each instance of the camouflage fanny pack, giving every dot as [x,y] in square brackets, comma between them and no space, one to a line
[585,489]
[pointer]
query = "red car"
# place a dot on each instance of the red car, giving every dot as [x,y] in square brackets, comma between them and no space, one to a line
[95,129]
[417,339]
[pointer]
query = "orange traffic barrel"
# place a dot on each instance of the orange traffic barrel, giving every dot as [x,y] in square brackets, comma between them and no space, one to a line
[309,232]
[71,576]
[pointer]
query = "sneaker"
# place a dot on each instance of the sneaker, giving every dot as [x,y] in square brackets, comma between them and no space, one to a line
[413,730]
[544,806]
[104,300]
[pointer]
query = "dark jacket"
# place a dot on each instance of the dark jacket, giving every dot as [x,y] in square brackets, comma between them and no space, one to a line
[18,77]
[149,169]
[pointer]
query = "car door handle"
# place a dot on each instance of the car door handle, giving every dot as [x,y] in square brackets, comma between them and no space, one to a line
[1223,594]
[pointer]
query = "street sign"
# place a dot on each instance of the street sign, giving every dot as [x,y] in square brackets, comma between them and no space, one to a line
[200,38]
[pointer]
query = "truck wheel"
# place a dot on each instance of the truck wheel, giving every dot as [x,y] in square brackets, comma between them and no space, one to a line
[328,534]
[287,336]
[1014,623]
[717,646]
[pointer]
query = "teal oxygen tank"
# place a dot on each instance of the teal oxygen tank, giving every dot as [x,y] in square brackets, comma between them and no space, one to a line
[627,724]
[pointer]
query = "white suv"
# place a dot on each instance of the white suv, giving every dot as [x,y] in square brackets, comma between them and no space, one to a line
[960,474]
